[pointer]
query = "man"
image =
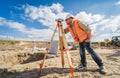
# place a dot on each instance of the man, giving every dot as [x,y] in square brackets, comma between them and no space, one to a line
[82,34]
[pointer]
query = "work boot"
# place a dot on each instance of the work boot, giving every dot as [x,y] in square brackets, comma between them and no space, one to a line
[81,67]
[103,70]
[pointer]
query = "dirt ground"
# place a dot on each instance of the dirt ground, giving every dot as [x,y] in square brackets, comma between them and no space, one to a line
[25,64]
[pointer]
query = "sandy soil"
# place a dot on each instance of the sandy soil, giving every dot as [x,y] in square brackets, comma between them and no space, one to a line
[25,64]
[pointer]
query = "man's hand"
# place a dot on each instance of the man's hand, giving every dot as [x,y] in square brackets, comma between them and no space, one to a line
[66,30]
[59,23]
[87,40]
[76,39]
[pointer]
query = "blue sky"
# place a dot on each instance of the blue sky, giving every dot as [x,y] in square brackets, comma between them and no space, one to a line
[35,19]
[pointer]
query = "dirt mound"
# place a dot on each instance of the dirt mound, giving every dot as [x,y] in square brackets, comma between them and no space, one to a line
[25,64]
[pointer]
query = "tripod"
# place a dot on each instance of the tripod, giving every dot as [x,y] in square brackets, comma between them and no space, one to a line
[62,45]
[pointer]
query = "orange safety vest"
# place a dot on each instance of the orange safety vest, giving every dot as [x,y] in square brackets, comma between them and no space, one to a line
[78,34]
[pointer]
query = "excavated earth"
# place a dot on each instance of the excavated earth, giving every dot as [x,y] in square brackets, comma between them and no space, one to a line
[24,63]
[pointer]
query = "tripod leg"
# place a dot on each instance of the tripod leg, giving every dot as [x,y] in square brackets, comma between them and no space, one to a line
[67,51]
[41,65]
[61,51]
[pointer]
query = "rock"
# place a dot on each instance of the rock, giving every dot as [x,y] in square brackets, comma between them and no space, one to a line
[3,70]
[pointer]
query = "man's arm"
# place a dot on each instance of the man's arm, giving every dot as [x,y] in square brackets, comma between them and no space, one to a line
[66,30]
[85,28]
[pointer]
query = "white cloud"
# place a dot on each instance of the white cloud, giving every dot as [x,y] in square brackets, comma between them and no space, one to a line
[43,12]
[12,24]
[106,28]
[118,3]
[39,34]
[46,15]
[102,27]
[89,18]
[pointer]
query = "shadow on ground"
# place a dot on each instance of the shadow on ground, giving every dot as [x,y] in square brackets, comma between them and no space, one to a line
[35,73]
[116,54]
[35,57]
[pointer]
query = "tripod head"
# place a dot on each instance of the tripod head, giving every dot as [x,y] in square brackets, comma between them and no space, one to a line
[59,22]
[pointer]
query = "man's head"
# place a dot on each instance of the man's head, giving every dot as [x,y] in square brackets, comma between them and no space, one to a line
[69,18]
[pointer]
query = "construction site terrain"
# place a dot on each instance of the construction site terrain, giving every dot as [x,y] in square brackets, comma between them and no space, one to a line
[21,59]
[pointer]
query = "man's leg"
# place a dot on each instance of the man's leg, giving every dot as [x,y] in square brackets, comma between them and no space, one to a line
[82,65]
[82,54]
[95,56]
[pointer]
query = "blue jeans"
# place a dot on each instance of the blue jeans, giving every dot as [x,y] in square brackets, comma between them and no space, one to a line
[87,46]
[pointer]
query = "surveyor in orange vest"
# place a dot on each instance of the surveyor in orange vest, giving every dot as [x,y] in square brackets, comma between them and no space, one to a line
[82,33]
